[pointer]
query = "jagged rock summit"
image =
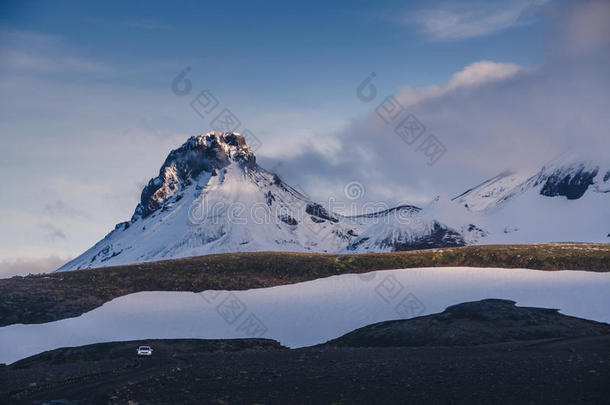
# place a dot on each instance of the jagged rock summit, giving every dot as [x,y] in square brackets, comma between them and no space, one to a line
[209,152]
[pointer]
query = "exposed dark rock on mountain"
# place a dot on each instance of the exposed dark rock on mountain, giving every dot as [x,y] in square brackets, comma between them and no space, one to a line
[196,155]
[569,184]
[318,211]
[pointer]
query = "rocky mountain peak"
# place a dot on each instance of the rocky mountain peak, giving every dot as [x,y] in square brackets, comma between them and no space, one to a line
[220,146]
[207,152]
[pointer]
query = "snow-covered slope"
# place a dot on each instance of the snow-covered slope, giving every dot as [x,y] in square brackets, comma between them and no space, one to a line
[569,176]
[567,200]
[493,193]
[390,233]
[211,197]
[312,312]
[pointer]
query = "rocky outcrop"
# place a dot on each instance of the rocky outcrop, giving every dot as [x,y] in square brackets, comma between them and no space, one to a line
[473,323]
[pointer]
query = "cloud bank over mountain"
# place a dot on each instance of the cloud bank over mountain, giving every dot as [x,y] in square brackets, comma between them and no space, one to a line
[490,116]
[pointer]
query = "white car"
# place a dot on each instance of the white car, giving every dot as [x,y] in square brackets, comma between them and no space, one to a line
[144,351]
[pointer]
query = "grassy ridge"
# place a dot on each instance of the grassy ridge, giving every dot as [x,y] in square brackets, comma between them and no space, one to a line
[50,297]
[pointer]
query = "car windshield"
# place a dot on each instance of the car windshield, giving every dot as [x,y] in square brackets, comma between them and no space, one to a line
[144,348]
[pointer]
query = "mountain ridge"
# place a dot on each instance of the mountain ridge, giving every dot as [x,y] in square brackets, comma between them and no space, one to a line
[211,197]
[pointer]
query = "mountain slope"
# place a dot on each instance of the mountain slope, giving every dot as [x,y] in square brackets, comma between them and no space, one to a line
[566,200]
[569,176]
[211,197]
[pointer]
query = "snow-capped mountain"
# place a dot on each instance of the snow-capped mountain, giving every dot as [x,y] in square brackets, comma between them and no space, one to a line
[566,200]
[211,197]
[569,176]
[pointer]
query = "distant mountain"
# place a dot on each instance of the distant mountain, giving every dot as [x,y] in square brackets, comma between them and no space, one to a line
[567,200]
[567,176]
[211,197]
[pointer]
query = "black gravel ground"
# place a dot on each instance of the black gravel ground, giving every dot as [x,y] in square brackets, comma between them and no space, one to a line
[552,371]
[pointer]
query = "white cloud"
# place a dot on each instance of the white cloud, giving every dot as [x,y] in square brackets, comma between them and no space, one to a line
[490,116]
[472,76]
[471,21]
[482,72]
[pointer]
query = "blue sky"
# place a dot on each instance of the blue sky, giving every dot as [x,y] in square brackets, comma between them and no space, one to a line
[291,53]
[87,114]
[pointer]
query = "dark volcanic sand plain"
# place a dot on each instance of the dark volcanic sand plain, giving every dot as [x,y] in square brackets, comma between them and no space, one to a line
[564,371]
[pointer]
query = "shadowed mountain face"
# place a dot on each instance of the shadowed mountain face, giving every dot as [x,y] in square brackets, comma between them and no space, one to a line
[572,185]
[473,323]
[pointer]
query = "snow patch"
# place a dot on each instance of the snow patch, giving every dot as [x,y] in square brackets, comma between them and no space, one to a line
[312,312]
